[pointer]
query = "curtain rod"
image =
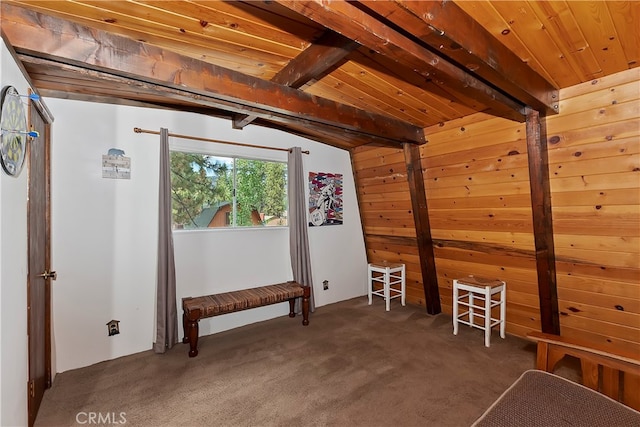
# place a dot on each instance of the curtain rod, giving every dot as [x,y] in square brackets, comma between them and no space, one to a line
[197,138]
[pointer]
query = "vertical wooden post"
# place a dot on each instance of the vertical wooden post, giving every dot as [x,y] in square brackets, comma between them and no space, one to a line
[423,228]
[542,222]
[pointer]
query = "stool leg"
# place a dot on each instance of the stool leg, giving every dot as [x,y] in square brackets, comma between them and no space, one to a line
[404,285]
[370,282]
[455,307]
[503,311]
[487,316]
[470,295]
[387,292]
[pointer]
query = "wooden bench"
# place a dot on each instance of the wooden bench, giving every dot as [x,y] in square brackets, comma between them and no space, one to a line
[616,375]
[194,309]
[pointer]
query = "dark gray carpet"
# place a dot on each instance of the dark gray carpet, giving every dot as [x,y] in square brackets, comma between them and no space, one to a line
[354,365]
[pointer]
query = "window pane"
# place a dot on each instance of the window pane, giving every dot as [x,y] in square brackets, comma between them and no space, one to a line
[203,192]
[261,197]
[275,198]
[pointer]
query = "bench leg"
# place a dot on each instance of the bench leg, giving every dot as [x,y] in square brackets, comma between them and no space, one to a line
[185,327]
[292,307]
[191,331]
[305,305]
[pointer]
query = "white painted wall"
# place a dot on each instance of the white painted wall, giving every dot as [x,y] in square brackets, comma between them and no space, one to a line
[105,231]
[13,276]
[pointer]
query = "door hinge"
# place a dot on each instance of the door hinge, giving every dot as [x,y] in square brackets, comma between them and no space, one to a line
[49,275]
[32,388]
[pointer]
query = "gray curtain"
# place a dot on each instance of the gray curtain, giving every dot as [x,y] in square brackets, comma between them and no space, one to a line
[166,311]
[298,235]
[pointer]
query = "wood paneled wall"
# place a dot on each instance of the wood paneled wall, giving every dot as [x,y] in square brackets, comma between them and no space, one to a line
[594,168]
[477,184]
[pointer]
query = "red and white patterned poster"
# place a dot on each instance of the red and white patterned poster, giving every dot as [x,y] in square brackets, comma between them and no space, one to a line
[325,198]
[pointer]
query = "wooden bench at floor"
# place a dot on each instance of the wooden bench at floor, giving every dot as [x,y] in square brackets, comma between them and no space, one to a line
[196,308]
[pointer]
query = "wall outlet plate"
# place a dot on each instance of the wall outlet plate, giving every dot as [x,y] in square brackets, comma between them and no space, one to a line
[325,284]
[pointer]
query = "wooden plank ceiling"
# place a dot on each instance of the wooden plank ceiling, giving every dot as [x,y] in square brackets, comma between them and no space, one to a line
[343,73]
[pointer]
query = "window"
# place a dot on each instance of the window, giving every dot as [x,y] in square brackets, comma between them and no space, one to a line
[210,191]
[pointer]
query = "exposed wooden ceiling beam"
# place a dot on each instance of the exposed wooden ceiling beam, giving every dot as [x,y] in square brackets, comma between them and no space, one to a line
[352,21]
[450,31]
[64,42]
[128,91]
[314,61]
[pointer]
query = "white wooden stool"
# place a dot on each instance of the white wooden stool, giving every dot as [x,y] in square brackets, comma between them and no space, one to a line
[483,290]
[392,278]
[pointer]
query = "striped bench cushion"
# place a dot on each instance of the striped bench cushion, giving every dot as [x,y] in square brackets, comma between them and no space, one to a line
[228,302]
